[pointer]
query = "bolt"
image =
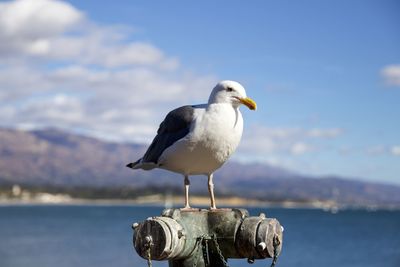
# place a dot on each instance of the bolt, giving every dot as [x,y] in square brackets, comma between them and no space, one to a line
[251,260]
[261,246]
[180,234]
[283,229]
[135,225]
[168,213]
[262,215]
[148,242]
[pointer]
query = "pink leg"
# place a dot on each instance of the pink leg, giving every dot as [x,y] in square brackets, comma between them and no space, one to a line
[211,191]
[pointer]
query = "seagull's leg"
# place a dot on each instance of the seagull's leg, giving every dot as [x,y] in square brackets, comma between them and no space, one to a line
[211,191]
[187,184]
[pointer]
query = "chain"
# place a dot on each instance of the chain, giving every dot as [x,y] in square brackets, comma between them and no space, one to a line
[199,241]
[206,256]
[276,244]
[148,246]
[221,256]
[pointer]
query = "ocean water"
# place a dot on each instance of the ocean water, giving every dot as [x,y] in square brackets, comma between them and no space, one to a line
[101,236]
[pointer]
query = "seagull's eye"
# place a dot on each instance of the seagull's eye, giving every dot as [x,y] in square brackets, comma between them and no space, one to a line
[229,89]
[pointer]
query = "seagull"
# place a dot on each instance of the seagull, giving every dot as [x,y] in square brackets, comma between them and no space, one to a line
[199,139]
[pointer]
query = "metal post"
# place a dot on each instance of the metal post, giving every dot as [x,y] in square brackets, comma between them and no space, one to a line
[207,237]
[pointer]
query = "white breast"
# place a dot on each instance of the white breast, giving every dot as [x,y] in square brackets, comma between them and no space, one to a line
[215,135]
[219,131]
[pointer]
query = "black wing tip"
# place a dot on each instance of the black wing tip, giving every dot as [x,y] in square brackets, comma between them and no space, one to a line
[130,165]
[133,164]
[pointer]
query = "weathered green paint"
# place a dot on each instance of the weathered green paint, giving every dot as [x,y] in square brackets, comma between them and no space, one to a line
[182,236]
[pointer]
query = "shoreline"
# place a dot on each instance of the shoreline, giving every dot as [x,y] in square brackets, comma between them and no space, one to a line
[176,202]
[161,200]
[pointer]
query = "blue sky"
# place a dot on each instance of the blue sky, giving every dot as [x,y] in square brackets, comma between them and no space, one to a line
[325,74]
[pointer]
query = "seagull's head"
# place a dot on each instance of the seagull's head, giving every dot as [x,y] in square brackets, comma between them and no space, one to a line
[231,92]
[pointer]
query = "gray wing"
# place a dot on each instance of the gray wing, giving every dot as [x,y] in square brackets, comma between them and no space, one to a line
[175,126]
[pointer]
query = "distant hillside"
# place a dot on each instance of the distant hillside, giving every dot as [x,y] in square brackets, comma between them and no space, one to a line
[57,158]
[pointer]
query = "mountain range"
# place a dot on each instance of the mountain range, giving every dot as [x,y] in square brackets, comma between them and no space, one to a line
[52,157]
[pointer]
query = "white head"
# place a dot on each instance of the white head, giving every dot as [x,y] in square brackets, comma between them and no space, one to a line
[231,92]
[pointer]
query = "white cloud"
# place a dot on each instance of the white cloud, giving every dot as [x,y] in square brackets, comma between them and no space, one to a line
[60,109]
[37,18]
[376,150]
[133,53]
[300,148]
[261,141]
[27,25]
[104,83]
[383,150]
[325,133]
[395,150]
[391,74]
[105,48]
[55,30]
[118,104]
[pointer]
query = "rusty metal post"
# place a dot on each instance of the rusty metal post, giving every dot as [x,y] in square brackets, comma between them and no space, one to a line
[207,237]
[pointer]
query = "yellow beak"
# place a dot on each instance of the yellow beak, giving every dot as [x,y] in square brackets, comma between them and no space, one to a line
[250,103]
